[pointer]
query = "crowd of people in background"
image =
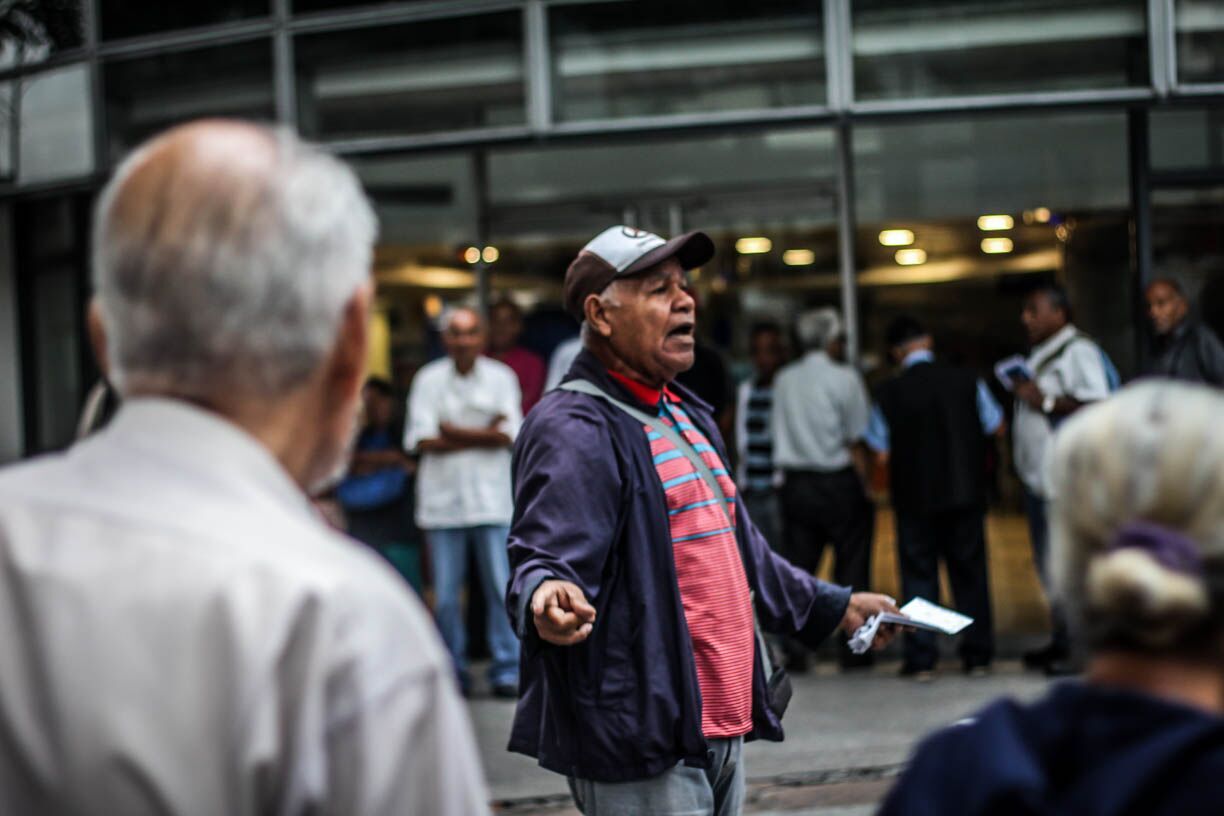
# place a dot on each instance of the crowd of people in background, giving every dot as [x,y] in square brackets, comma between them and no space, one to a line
[810,441]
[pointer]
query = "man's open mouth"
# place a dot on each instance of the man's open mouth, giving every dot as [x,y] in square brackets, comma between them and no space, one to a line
[682,330]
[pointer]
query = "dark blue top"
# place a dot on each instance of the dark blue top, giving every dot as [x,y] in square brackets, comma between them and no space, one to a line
[589,508]
[1081,751]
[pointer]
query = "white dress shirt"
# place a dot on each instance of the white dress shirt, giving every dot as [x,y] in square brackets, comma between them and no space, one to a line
[181,634]
[820,410]
[471,487]
[1067,365]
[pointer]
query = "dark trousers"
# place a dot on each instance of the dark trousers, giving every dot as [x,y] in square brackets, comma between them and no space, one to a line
[1039,535]
[828,508]
[959,538]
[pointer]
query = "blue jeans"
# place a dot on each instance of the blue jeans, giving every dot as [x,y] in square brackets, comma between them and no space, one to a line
[680,791]
[448,549]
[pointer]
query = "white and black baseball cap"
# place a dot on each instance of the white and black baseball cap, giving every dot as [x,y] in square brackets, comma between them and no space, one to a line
[622,252]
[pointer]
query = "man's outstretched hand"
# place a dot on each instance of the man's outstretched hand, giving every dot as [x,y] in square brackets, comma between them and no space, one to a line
[562,614]
[861,607]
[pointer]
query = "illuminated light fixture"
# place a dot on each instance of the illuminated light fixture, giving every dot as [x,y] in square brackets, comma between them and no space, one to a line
[1062,232]
[896,237]
[433,306]
[997,246]
[798,257]
[990,223]
[472,255]
[490,254]
[753,246]
[911,257]
[1042,215]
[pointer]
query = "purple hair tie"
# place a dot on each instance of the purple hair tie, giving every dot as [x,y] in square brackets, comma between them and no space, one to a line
[1168,547]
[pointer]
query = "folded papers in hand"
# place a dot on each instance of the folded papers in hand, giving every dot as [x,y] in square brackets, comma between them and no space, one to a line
[918,614]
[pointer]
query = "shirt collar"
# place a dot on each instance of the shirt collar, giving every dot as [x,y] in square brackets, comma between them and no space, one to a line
[918,356]
[644,393]
[195,441]
[1055,340]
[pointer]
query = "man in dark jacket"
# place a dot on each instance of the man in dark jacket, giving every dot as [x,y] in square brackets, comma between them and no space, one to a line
[931,422]
[632,578]
[1184,348]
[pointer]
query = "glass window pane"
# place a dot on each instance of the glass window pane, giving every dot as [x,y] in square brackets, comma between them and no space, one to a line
[1059,188]
[56,125]
[31,32]
[905,49]
[146,95]
[132,18]
[645,58]
[306,6]
[1200,40]
[1187,139]
[7,115]
[418,77]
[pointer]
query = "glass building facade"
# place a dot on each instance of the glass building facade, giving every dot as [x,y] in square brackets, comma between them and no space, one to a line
[863,142]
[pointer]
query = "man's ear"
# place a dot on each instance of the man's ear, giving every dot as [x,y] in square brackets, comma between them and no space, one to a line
[596,310]
[97,336]
[348,367]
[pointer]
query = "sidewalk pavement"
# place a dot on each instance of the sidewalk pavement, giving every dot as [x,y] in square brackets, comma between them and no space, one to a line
[847,737]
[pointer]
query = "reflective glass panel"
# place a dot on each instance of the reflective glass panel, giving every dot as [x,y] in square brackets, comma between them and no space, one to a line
[56,125]
[7,114]
[305,6]
[932,48]
[639,58]
[986,206]
[32,31]
[1200,40]
[1187,139]
[437,75]
[132,18]
[146,95]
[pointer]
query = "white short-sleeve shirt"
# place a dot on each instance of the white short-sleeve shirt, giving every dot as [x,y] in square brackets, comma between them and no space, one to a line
[1067,364]
[465,488]
[820,410]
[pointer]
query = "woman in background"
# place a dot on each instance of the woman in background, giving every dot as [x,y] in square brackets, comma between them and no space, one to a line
[1138,559]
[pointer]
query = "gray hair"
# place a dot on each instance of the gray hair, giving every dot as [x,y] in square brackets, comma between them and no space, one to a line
[818,328]
[224,256]
[1153,453]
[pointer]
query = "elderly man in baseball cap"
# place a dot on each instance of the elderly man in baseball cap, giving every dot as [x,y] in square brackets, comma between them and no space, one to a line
[634,567]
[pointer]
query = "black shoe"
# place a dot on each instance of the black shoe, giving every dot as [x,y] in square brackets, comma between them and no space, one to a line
[919,674]
[853,662]
[506,691]
[975,668]
[1043,657]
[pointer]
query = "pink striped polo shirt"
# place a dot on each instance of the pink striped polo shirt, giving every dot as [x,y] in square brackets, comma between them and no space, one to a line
[713,587]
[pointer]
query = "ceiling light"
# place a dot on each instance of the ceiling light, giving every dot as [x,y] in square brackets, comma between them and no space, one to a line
[911,257]
[988,223]
[896,237]
[472,255]
[798,257]
[490,254]
[1042,215]
[996,246]
[433,306]
[753,246]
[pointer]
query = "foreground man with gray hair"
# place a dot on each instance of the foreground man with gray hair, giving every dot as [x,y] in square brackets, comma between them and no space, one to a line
[179,631]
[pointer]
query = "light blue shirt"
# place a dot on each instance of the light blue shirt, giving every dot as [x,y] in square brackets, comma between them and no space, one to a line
[990,413]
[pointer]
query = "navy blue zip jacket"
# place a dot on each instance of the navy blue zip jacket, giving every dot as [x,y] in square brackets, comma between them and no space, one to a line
[589,508]
[1082,751]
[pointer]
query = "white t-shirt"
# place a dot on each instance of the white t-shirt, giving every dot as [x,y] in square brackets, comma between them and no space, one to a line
[180,633]
[1079,373]
[469,487]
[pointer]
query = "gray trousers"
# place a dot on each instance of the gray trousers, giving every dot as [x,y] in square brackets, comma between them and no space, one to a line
[680,791]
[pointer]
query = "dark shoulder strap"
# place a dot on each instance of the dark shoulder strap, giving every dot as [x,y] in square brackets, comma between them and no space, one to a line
[669,433]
